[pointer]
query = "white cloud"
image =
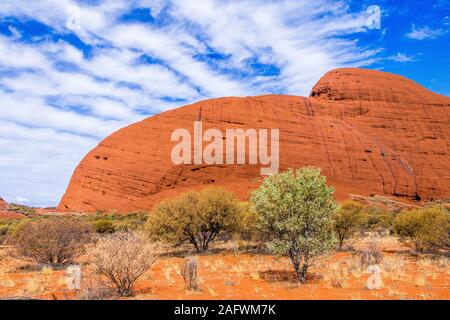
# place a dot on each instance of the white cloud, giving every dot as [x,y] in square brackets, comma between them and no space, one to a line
[16,56]
[300,35]
[172,48]
[57,102]
[21,200]
[423,33]
[36,163]
[401,57]
[15,34]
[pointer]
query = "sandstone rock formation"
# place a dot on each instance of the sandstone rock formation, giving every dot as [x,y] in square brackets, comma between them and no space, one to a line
[3,204]
[371,133]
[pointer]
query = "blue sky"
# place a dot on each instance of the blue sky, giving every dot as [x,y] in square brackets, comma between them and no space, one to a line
[72,72]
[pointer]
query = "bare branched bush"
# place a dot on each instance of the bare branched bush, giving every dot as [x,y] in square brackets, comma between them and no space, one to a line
[96,292]
[123,258]
[190,273]
[370,256]
[51,241]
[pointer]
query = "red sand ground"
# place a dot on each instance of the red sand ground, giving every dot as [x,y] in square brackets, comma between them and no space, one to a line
[255,276]
[9,214]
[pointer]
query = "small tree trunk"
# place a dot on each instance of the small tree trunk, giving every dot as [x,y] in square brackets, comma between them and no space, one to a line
[341,242]
[419,246]
[193,241]
[295,263]
[341,235]
[203,241]
[302,274]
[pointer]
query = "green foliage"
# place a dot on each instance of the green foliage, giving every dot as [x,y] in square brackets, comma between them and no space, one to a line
[3,230]
[8,227]
[23,209]
[247,226]
[347,220]
[110,223]
[426,228]
[104,226]
[296,210]
[197,218]
[131,222]
[377,219]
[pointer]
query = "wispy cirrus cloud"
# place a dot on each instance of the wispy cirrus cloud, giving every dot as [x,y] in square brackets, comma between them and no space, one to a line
[423,33]
[401,57]
[69,77]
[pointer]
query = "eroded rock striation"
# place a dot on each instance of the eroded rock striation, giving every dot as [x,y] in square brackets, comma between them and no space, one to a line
[370,132]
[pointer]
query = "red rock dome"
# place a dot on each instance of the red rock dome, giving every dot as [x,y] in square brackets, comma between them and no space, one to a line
[369,131]
[3,204]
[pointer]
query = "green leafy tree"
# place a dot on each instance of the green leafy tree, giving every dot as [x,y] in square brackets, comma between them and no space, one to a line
[197,218]
[348,218]
[296,210]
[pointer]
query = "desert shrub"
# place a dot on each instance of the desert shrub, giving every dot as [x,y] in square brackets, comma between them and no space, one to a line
[53,240]
[104,226]
[197,218]
[123,257]
[96,293]
[8,226]
[113,222]
[378,219]
[14,226]
[296,210]
[190,273]
[20,208]
[3,232]
[127,225]
[139,217]
[93,289]
[130,222]
[445,203]
[247,223]
[426,228]
[348,218]
[370,256]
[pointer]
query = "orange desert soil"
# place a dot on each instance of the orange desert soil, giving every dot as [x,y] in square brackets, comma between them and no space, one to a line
[11,215]
[336,275]
[370,132]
